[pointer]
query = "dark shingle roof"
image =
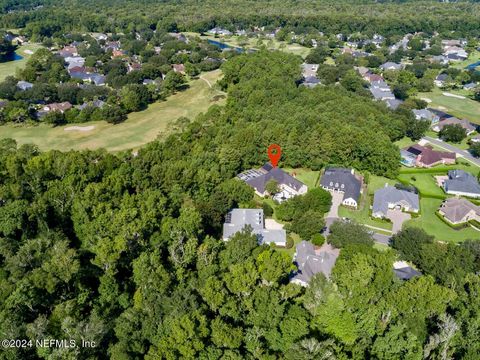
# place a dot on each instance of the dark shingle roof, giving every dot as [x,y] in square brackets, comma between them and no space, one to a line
[336,177]
[277,174]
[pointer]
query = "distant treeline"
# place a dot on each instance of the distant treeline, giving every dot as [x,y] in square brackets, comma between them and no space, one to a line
[330,17]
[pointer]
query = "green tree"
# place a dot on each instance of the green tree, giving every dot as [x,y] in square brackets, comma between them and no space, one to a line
[453,133]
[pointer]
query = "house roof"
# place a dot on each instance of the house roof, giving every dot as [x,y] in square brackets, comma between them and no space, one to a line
[277,174]
[310,262]
[404,271]
[453,121]
[380,94]
[455,209]
[372,77]
[391,195]
[63,106]
[24,85]
[428,155]
[336,177]
[424,114]
[391,65]
[393,103]
[237,219]
[441,77]
[462,181]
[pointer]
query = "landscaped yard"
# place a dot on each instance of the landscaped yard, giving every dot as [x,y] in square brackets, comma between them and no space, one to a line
[472,58]
[429,221]
[461,108]
[140,127]
[9,68]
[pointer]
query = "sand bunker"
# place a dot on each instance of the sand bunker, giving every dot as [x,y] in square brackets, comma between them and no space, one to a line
[28,52]
[453,95]
[79,128]
[427,100]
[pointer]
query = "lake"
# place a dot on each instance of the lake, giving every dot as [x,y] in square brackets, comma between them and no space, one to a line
[473,66]
[11,57]
[222,45]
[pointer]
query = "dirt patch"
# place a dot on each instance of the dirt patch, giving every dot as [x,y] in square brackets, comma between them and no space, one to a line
[79,128]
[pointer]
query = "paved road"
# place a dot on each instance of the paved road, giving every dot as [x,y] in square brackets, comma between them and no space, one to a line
[444,145]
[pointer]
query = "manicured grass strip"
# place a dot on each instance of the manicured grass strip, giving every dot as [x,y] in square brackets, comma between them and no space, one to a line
[140,127]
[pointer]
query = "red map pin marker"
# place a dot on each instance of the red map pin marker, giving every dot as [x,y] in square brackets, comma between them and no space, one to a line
[274,153]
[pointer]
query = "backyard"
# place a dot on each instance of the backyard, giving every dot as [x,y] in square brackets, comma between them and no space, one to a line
[140,127]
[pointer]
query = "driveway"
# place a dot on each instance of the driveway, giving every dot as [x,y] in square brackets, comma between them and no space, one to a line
[398,218]
[337,199]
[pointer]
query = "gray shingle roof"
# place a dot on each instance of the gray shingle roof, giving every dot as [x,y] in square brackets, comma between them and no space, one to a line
[461,181]
[277,174]
[455,209]
[342,179]
[237,219]
[406,273]
[379,94]
[310,263]
[391,195]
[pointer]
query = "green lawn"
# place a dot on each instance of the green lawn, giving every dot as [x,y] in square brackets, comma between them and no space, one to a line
[140,127]
[10,67]
[307,176]
[404,142]
[256,43]
[429,221]
[461,108]
[425,183]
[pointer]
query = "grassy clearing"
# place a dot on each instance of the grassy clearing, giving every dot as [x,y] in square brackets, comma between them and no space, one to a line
[257,43]
[10,67]
[461,108]
[429,221]
[140,127]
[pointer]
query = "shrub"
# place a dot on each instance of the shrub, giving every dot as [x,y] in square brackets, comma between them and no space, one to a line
[290,242]
[267,209]
[318,239]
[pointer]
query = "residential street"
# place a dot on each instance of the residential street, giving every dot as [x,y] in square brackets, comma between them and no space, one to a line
[444,145]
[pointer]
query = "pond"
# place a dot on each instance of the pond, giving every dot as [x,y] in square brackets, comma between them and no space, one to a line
[222,45]
[11,57]
[473,66]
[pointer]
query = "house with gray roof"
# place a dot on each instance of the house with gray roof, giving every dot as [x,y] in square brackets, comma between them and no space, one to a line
[344,181]
[459,211]
[391,66]
[467,125]
[24,85]
[461,183]
[425,114]
[379,94]
[311,262]
[253,220]
[390,197]
[393,104]
[258,179]
[404,271]
[310,81]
